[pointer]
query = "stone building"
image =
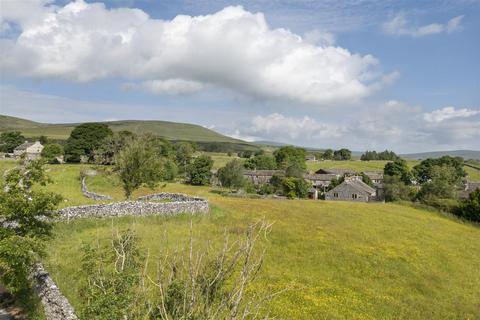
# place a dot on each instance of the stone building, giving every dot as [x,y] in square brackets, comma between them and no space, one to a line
[352,189]
[337,172]
[319,181]
[31,150]
[376,177]
[469,187]
[262,176]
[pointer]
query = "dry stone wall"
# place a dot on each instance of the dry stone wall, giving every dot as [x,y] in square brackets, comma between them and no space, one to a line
[92,195]
[179,203]
[55,305]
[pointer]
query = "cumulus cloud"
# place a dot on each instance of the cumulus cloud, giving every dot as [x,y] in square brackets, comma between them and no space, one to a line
[167,87]
[447,113]
[400,26]
[232,48]
[393,125]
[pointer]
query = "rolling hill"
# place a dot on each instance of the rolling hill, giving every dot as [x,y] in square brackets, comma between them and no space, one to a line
[168,130]
[466,154]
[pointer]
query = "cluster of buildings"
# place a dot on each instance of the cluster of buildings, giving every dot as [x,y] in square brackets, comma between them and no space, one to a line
[351,189]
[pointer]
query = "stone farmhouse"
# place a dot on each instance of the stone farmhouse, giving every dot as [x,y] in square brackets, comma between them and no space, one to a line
[469,187]
[31,150]
[352,189]
[262,176]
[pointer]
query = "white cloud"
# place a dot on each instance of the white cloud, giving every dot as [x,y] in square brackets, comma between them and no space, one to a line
[390,125]
[233,49]
[167,87]
[400,26]
[447,113]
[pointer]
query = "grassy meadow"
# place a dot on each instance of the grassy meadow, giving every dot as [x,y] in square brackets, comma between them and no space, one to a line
[338,260]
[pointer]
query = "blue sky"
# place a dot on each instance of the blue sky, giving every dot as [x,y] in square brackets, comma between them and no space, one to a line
[362,74]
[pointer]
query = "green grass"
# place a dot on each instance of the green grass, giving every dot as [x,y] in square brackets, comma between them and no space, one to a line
[340,260]
[166,129]
[221,159]
[375,165]
[472,174]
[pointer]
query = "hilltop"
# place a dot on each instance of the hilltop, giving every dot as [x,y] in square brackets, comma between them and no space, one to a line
[174,131]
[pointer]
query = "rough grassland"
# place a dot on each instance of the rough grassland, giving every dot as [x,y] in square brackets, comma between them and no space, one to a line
[340,260]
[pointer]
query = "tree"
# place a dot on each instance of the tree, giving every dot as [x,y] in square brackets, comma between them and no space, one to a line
[287,156]
[295,187]
[261,162]
[366,179]
[183,154]
[28,211]
[245,154]
[10,140]
[111,146]
[470,208]
[395,189]
[399,168]
[231,176]
[84,139]
[295,170]
[327,154]
[440,186]
[342,154]
[199,172]
[384,155]
[369,155]
[424,170]
[43,140]
[51,151]
[141,162]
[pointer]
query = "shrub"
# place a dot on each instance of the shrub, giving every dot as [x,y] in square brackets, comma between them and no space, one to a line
[231,176]
[199,172]
[470,208]
[295,187]
[51,151]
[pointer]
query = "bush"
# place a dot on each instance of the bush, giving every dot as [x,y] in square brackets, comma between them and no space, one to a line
[51,151]
[231,176]
[199,172]
[469,208]
[395,189]
[295,187]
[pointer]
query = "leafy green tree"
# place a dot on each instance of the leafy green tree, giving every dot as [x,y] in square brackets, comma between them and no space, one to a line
[200,171]
[261,162]
[327,154]
[183,154]
[440,186]
[231,176]
[423,171]
[366,179]
[295,170]
[51,151]
[342,154]
[295,187]
[245,154]
[28,212]
[141,162]
[287,156]
[399,168]
[395,189]
[84,139]
[111,146]
[10,140]
[369,155]
[470,208]
[43,140]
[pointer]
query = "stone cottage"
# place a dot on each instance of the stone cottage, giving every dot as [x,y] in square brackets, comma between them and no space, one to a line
[376,177]
[31,150]
[262,176]
[352,189]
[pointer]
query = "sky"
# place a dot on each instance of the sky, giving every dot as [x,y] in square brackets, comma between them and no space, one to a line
[362,74]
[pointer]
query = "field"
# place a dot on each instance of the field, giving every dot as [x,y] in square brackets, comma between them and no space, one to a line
[338,260]
[168,130]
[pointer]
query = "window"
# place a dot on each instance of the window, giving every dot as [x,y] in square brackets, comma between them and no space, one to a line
[335,195]
[354,196]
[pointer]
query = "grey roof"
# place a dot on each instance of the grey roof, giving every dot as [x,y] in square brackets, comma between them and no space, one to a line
[377,175]
[264,173]
[358,185]
[320,177]
[336,171]
[24,146]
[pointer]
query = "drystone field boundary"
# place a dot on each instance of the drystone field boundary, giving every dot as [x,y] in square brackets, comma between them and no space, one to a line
[55,304]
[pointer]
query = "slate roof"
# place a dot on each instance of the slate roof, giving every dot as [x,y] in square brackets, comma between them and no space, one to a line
[263,173]
[320,177]
[24,146]
[374,175]
[358,185]
[336,171]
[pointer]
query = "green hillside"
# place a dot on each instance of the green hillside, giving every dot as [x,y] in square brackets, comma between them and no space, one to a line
[166,129]
[346,260]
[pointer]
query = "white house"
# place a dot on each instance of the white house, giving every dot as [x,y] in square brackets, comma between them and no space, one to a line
[31,150]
